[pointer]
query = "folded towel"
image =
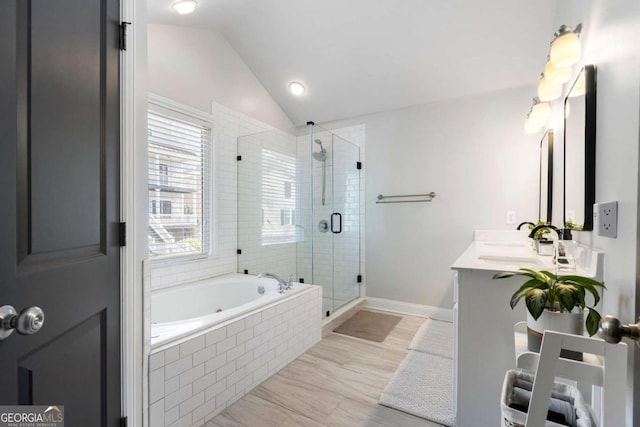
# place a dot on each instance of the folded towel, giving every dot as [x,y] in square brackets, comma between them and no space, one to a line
[528,385]
[559,411]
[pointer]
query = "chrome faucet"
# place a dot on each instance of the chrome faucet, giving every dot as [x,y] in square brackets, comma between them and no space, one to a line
[283,285]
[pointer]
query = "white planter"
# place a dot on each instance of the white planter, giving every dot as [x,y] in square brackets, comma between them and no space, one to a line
[570,323]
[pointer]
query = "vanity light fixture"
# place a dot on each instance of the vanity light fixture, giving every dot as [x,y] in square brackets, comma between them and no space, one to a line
[538,116]
[557,76]
[184,6]
[566,48]
[548,91]
[296,88]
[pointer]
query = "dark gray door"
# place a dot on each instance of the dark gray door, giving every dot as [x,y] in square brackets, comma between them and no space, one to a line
[59,204]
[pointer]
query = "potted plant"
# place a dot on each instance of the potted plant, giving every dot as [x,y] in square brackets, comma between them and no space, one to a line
[540,234]
[556,303]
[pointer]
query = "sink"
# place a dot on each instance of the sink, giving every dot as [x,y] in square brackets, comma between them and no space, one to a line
[511,261]
[507,244]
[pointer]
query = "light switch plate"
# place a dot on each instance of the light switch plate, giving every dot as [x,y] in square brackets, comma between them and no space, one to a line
[511,217]
[606,219]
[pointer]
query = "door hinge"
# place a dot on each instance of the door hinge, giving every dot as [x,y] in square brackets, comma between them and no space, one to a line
[122,234]
[238,158]
[358,165]
[239,251]
[123,35]
[359,278]
[124,422]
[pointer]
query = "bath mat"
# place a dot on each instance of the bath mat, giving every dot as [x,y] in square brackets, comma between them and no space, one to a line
[435,337]
[369,325]
[422,386]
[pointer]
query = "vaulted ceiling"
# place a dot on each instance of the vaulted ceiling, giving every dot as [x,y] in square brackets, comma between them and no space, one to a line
[357,57]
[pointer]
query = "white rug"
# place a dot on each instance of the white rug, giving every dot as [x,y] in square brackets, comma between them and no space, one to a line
[435,337]
[422,386]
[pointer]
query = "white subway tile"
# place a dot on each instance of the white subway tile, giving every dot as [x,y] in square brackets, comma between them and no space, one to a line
[191,375]
[192,403]
[213,364]
[225,370]
[215,389]
[192,346]
[156,385]
[171,385]
[170,416]
[177,397]
[216,335]
[177,367]
[156,361]
[156,414]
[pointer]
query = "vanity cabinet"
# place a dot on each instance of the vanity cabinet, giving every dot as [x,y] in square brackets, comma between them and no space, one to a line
[483,343]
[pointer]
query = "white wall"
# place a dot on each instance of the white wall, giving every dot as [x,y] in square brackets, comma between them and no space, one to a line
[474,154]
[195,67]
[610,35]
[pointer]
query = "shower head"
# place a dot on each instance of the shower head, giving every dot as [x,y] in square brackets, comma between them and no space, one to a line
[322,154]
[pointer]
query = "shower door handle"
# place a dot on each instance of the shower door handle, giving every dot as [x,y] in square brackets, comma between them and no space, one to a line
[333,230]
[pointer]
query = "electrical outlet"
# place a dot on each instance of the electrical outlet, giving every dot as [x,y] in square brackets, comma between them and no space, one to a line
[511,217]
[605,216]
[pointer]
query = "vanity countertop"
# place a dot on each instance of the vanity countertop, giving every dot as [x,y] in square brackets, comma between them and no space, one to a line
[510,251]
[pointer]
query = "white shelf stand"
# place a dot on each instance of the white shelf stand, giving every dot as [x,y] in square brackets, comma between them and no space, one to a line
[604,365]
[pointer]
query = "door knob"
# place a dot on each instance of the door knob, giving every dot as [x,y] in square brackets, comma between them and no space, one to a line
[29,321]
[612,330]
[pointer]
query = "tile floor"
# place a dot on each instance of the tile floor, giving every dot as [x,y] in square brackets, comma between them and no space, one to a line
[335,383]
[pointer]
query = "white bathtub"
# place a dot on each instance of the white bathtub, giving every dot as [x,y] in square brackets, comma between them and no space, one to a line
[180,311]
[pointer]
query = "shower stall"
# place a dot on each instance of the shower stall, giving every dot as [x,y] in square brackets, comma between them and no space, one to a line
[299,209]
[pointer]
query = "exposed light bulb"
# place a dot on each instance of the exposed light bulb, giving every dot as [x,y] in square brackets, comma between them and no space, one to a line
[296,88]
[548,91]
[556,76]
[565,48]
[184,6]
[531,127]
[540,113]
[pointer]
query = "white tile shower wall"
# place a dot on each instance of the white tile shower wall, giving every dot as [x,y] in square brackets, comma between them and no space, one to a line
[195,379]
[228,125]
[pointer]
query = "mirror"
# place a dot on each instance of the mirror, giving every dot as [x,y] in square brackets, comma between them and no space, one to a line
[580,151]
[546,177]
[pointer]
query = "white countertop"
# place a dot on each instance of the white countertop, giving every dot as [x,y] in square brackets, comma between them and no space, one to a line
[510,251]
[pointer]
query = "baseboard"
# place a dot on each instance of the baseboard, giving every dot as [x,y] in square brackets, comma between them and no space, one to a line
[439,313]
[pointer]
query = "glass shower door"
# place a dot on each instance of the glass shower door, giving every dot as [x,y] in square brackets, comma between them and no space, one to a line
[345,221]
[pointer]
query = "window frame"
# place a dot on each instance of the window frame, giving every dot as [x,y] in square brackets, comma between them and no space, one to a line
[168,107]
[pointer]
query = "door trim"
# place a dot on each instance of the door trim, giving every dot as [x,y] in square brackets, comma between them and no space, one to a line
[132,371]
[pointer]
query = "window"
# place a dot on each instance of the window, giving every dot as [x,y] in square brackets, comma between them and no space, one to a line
[278,197]
[179,170]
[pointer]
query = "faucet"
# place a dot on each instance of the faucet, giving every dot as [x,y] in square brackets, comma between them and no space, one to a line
[283,285]
[549,226]
[525,223]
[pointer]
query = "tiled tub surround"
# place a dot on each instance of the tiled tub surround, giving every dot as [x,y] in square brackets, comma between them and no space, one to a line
[195,378]
[209,302]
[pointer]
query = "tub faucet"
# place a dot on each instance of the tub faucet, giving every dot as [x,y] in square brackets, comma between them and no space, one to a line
[549,226]
[283,285]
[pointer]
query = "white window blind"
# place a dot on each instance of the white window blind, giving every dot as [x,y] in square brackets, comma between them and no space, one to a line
[179,171]
[278,197]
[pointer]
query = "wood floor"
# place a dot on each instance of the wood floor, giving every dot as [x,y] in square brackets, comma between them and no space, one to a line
[336,383]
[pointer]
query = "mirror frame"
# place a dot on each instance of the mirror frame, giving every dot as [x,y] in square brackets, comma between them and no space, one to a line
[548,136]
[589,148]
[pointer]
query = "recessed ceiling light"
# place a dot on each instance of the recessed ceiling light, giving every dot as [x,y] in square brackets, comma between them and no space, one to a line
[184,6]
[296,88]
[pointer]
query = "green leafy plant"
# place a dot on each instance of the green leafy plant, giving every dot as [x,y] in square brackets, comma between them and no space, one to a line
[545,290]
[572,225]
[541,232]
